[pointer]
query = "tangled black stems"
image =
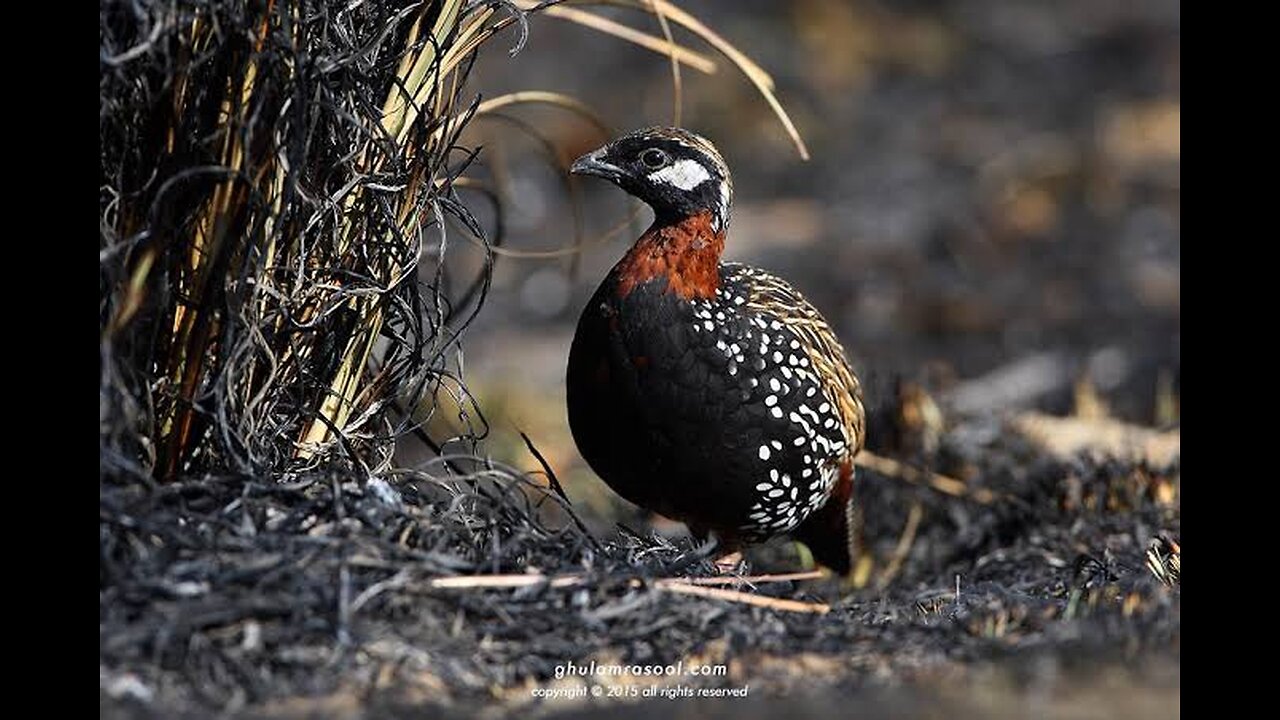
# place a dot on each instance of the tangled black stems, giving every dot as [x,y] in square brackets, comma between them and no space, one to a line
[262,233]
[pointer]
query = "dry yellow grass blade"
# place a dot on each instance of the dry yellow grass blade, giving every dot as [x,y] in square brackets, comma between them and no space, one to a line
[475,32]
[700,586]
[402,107]
[677,88]
[1068,437]
[470,37]
[754,73]
[754,579]
[565,251]
[406,62]
[903,548]
[916,476]
[665,10]
[566,102]
[339,403]
[470,582]
[543,97]
[403,104]
[683,588]
[195,327]
[667,46]
[692,24]
[135,291]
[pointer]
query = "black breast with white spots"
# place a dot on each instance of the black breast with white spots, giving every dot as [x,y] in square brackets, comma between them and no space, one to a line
[709,411]
[791,436]
[732,413]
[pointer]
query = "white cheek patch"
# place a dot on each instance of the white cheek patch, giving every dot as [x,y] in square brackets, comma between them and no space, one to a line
[685,174]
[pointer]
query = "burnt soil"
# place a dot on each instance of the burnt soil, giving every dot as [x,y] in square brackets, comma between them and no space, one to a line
[313,597]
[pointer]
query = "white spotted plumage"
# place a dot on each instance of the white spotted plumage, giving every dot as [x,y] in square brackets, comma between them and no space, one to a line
[798,463]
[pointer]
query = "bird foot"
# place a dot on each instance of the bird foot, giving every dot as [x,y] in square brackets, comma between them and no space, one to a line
[729,564]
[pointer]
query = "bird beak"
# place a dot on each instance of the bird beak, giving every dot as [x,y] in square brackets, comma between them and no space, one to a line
[593,164]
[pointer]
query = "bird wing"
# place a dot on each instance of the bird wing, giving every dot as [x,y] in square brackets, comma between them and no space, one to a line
[776,297]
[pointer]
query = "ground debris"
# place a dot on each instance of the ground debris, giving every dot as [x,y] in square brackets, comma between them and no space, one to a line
[1070,436]
[220,593]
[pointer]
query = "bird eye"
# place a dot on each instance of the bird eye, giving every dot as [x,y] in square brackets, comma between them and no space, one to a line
[653,158]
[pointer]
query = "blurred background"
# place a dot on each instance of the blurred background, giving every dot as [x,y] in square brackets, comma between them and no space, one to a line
[991,214]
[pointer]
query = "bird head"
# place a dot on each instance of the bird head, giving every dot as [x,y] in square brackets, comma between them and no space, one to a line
[677,173]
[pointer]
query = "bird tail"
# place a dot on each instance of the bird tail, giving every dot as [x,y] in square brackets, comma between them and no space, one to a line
[833,533]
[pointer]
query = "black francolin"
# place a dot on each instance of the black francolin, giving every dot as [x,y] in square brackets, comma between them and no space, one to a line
[712,393]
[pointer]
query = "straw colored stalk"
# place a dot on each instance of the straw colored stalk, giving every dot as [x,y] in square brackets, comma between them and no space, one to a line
[418,78]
